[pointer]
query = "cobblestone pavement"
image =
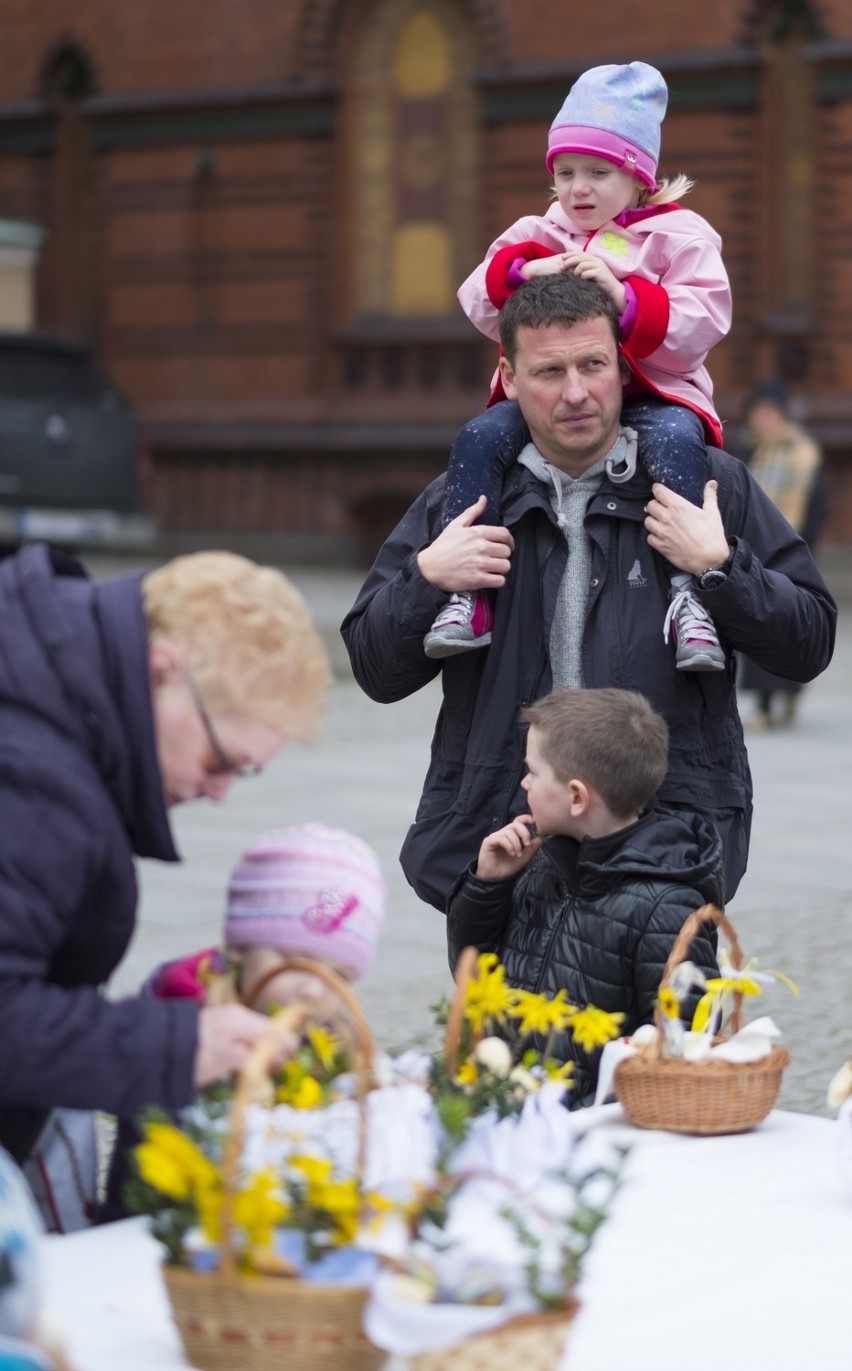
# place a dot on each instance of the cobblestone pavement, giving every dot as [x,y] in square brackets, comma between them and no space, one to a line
[793,909]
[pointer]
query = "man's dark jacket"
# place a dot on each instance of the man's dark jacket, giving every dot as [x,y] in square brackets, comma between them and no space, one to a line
[774,608]
[80,793]
[597,919]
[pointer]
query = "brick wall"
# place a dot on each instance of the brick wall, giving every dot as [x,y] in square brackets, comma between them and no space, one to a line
[213,245]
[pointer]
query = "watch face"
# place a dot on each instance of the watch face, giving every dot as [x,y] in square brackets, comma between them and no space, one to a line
[711,580]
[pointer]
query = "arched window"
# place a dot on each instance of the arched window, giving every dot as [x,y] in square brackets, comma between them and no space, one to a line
[413,159]
[66,74]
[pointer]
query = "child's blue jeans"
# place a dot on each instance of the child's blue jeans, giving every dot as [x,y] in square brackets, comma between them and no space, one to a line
[671,450]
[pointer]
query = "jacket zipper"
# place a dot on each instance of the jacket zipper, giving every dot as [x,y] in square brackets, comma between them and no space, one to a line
[542,661]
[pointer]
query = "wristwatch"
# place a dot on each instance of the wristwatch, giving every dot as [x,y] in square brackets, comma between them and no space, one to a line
[715,576]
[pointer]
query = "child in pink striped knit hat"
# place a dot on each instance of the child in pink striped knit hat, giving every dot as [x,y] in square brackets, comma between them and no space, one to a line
[307,892]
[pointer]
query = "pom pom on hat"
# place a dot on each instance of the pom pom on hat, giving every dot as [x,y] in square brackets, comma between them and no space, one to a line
[613,112]
[309,891]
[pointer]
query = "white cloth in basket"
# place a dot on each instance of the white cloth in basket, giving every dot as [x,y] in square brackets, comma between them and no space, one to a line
[402,1137]
[405,1329]
[751,1044]
[511,1163]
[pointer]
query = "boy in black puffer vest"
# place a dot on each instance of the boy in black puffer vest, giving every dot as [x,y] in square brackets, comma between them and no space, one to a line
[588,891]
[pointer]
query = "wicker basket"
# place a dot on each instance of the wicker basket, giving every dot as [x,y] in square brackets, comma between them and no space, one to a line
[704,1097]
[257,1323]
[234,1322]
[534,1342]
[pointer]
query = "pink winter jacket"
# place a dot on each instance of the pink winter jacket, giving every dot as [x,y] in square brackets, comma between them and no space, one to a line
[679,297]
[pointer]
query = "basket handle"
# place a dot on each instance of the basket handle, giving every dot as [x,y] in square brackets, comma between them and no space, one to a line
[465,972]
[707,914]
[341,988]
[256,1069]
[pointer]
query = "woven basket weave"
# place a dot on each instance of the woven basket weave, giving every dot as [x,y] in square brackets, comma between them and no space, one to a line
[704,1097]
[233,1322]
[530,1342]
[261,1323]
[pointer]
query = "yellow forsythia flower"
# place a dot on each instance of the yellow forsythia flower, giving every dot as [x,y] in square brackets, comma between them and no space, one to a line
[314,1169]
[299,1089]
[325,1044]
[208,1202]
[160,1170]
[593,1027]
[538,1014]
[309,1094]
[259,1208]
[466,1074]
[172,1163]
[170,1139]
[340,1199]
[487,998]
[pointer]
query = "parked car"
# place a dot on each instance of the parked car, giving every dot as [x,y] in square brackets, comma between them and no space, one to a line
[72,461]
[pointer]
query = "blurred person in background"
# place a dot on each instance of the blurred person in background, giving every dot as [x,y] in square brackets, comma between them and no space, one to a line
[786,463]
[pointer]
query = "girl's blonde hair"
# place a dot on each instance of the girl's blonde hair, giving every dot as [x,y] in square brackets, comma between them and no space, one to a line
[247,636]
[668,190]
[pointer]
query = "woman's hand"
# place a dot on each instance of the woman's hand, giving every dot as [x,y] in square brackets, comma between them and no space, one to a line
[226,1035]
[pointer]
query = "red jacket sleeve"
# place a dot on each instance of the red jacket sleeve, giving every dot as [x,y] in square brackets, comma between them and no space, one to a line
[497,271]
[652,317]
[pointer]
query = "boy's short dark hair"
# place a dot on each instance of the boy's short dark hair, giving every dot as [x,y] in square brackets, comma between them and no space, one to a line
[612,739]
[560,299]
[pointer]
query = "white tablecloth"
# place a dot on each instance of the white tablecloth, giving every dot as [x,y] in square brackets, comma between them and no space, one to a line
[731,1251]
[720,1251]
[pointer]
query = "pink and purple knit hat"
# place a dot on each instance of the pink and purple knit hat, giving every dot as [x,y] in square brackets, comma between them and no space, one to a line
[613,112]
[309,891]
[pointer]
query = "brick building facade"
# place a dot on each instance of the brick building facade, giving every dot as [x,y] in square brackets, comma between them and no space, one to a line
[259,215]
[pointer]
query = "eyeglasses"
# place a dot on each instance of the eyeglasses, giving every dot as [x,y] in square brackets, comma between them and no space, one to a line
[224,764]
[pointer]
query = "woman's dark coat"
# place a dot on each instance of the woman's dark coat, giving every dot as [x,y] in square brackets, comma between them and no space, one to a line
[80,794]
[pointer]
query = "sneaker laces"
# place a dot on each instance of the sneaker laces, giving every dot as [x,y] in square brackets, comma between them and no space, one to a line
[691,619]
[459,606]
